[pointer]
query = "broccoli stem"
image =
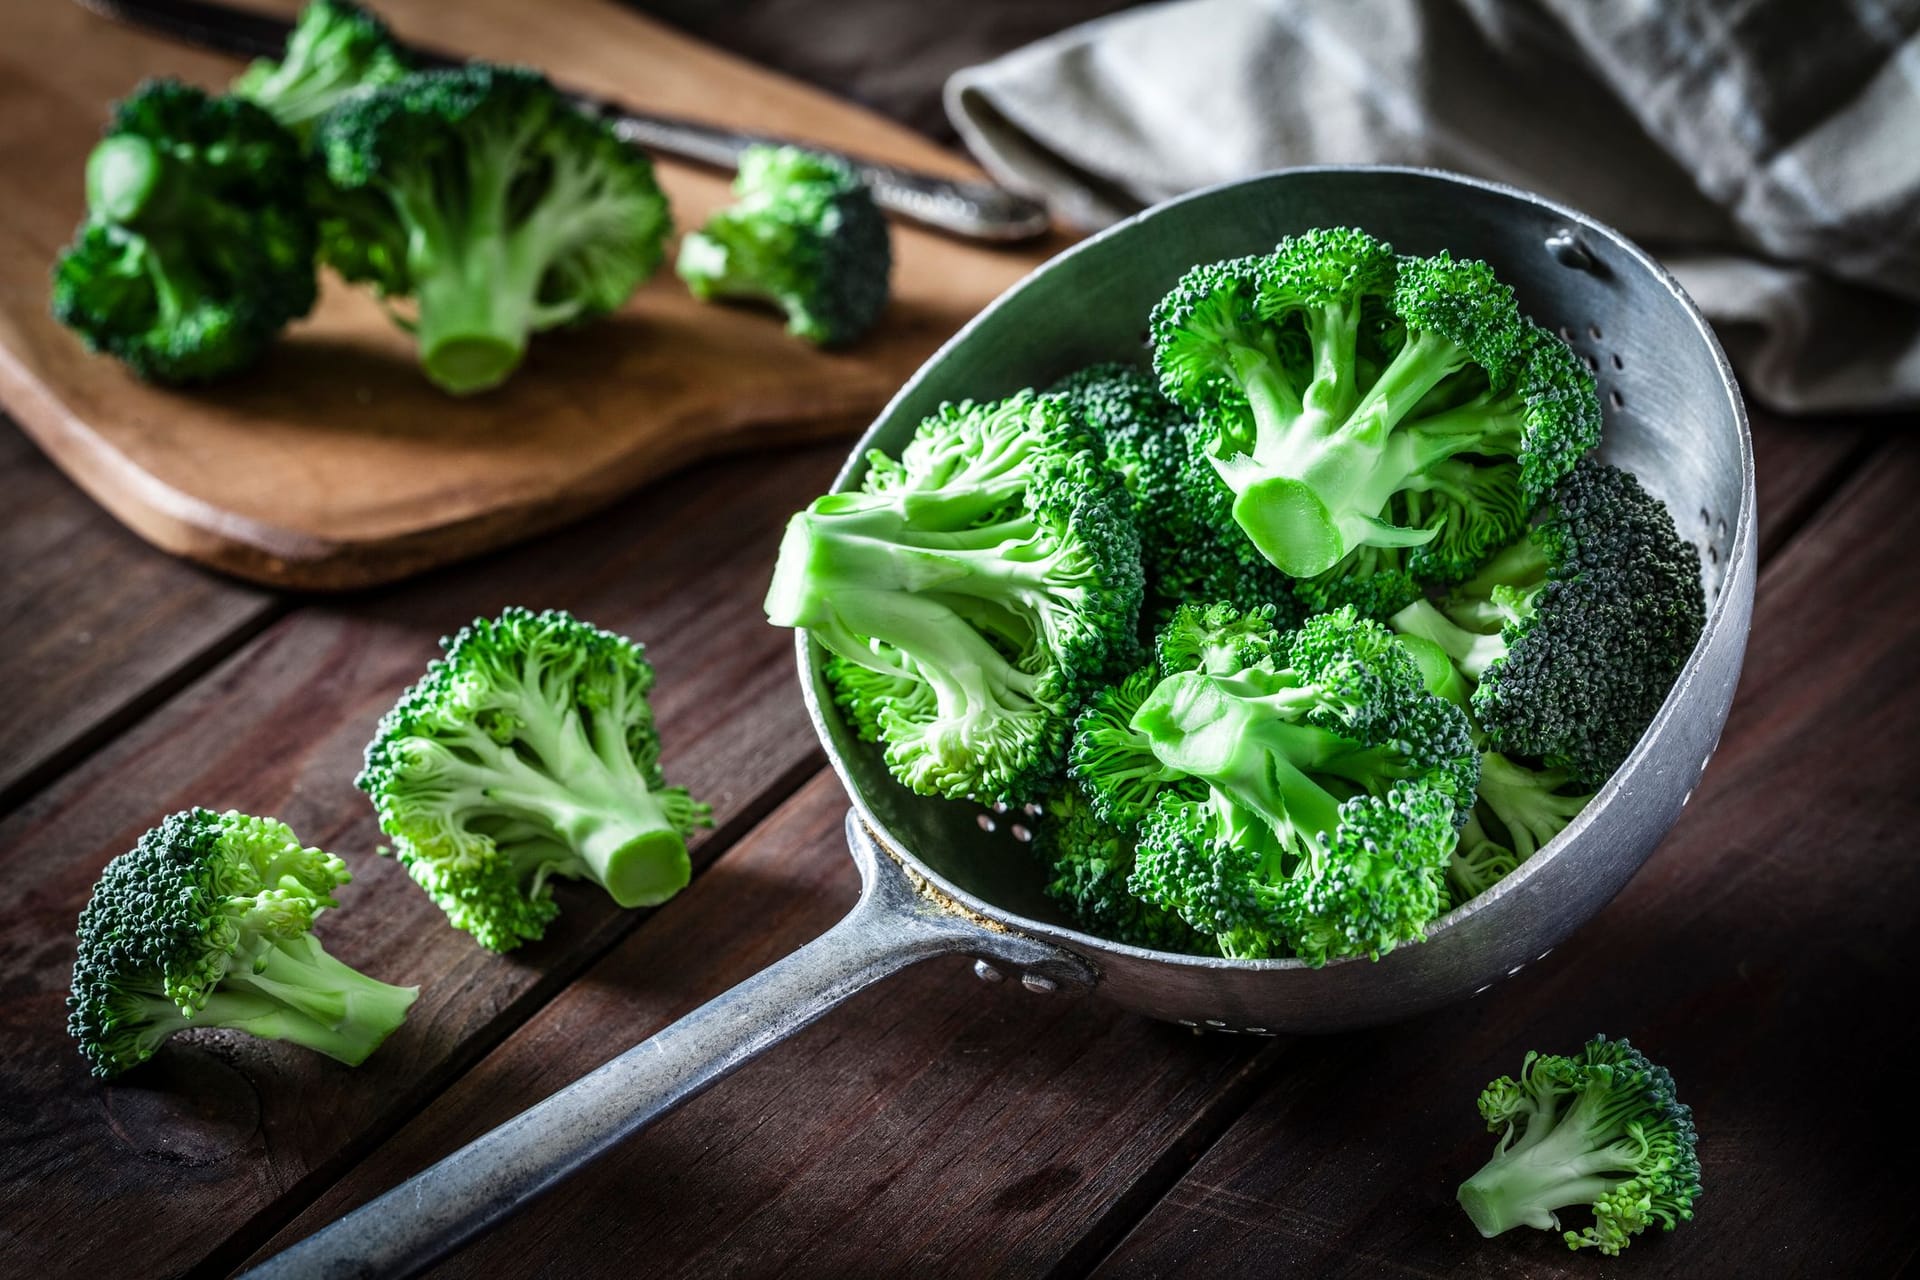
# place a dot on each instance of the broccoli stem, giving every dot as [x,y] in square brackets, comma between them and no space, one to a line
[1526,803]
[475,313]
[294,990]
[1471,652]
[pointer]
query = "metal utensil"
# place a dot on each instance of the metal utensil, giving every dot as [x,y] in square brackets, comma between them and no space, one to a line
[942,877]
[975,210]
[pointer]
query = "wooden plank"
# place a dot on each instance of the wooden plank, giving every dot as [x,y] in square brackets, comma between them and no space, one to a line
[93,625]
[932,1126]
[226,1136]
[1766,955]
[1797,465]
[335,463]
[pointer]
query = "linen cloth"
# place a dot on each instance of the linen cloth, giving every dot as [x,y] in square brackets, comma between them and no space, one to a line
[1768,153]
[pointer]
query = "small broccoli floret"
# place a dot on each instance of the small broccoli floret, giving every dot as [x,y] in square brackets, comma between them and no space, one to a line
[1350,399]
[1600,1130]
[336,48]
[990,577]
[1574,634]
[527,752]
[1189,545]
[207,922]
[1478,862]
[198,243]
[491,202]
[1089,861]
[1120,776]
[1332,787]
[804,235]
[1218,639]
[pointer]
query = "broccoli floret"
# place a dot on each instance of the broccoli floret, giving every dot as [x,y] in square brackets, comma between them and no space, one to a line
[198,243]
[1601,1130]
[1088,861]
[1332,788]
[990,577]
[1478,862]
[207,922]
[1574,634]
[1120,776]
[806,236]
[529,751]
[336,48]
[492,203]
[1218,639]
[1189,545]
[1351,399]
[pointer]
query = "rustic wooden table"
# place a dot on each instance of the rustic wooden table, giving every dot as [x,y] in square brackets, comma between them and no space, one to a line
[934,1125]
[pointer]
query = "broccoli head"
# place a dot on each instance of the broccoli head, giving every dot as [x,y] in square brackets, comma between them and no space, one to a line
[529,751]
[1573,635]
[208,922]
[805,236]
[1600,1130]
[988,579]
[1189,545]
[198,244]
[1352,399]
[335,49]
[1306,800]
[1088,863]
[491,202]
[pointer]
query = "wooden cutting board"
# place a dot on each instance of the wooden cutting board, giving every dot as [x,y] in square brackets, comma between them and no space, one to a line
[334,464]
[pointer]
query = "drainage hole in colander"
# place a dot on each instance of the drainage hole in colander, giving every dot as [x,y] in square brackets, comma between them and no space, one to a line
[986,821]
[1021,832]
[1615,399]
[1593,331]
[1618,363]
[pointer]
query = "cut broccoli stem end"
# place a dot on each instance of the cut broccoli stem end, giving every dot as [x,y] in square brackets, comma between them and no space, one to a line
[299,992]
[127,177]
[1514,1190]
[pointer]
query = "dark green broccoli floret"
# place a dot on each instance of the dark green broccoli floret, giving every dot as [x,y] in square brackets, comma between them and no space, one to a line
[492,203]
[1574,634]
[335,49]
[1600,1130]
[804,235]
[1189,545]
[990,578]
[207,922]
[529,751]
[198,243]
[1088,863]
[1351,399]
[1310,797]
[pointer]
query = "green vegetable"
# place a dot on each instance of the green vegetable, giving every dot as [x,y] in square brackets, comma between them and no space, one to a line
[335,49]
[1088,863]
[494,205]
[1352,400]
[988,580]
[1307,800]
[198,243]
[528,752]
[1599,1130]
[1189,545]
[207,922]
[1573,634]
[804,236]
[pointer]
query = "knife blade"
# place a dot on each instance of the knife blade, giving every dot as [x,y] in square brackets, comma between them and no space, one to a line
[973,210]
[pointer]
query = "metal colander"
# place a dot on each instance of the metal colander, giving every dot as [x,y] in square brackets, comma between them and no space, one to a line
[942,877]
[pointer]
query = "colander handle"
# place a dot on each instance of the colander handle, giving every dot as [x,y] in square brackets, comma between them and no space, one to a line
[441,1208]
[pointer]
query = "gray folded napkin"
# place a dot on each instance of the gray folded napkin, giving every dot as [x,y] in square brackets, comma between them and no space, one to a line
[1768,153]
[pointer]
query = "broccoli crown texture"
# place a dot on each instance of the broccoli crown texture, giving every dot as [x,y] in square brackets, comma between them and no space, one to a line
[1189,545]
[491,202]
[198,244]
[988,581]
[1351,399]
[206,922]
[527,752]
[335,49]
[1088,862]
[1574,634]
[804,235]
[1305,795]
[1600,1130]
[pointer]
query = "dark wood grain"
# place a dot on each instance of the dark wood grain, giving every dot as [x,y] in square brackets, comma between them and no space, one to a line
[93,625]
[931,1126]
[1797,466]
[172,1163]
[1766,954]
